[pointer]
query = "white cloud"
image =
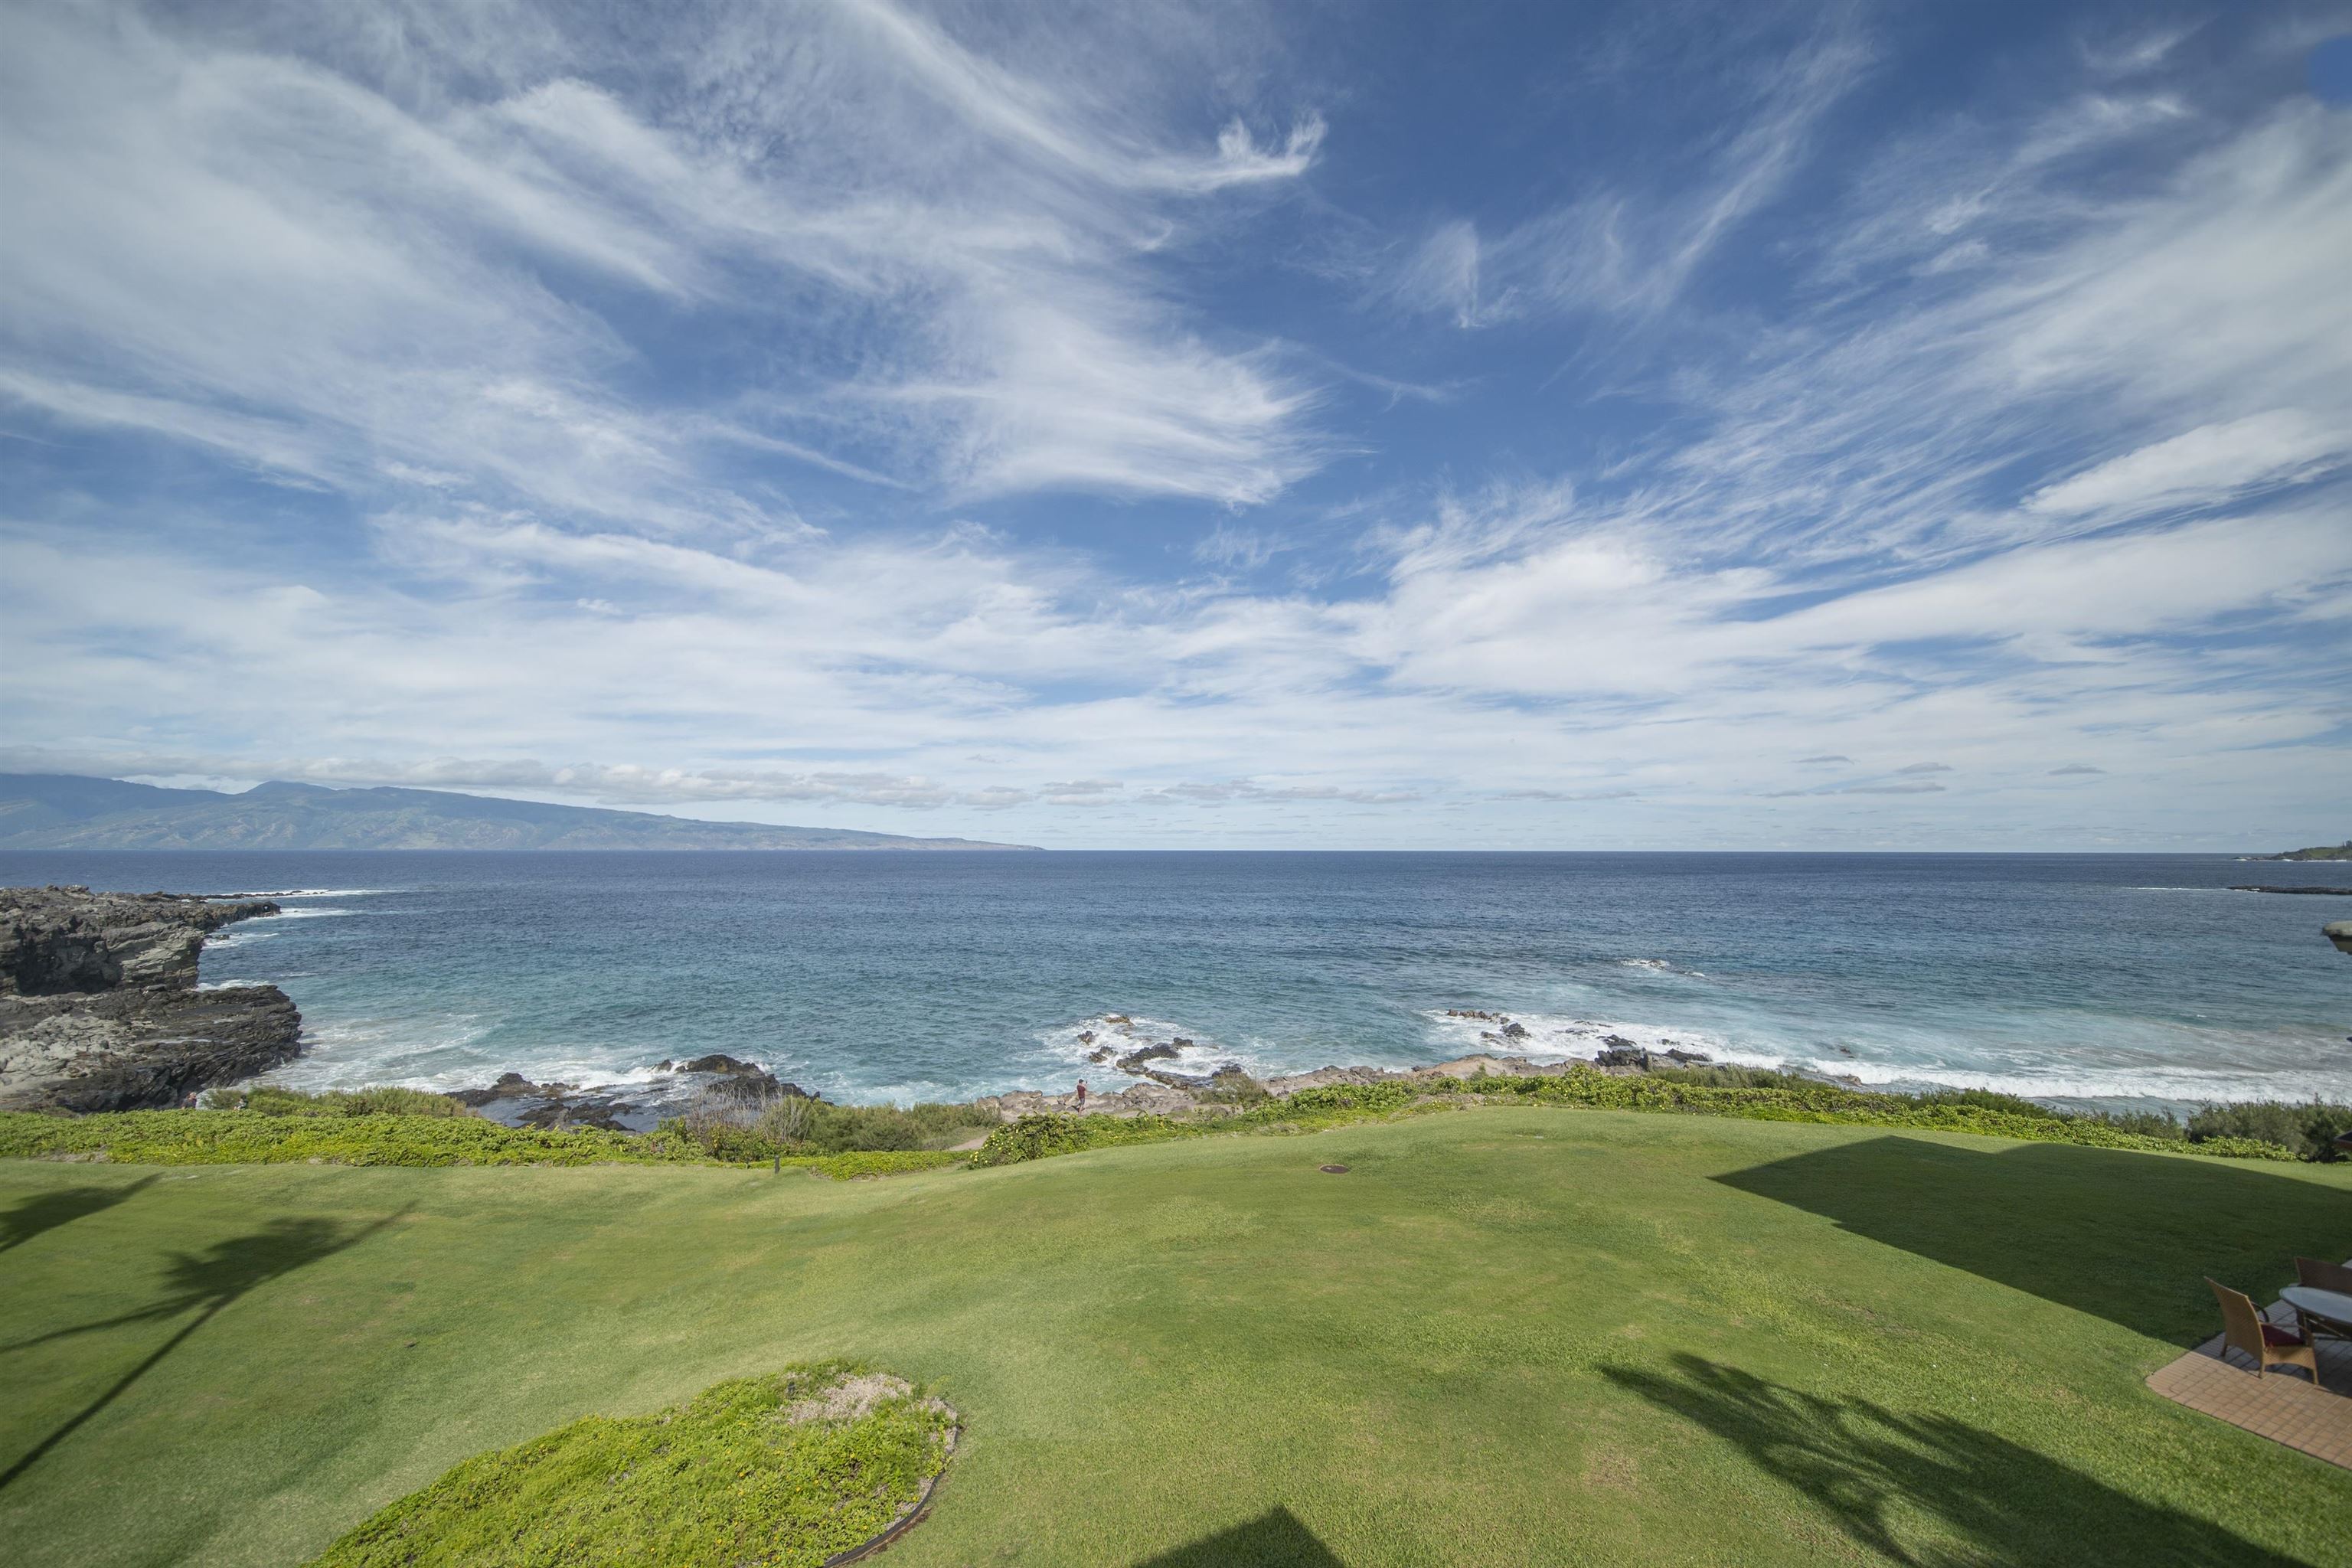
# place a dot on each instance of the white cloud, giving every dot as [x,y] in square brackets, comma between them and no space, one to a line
[1633,249]
[2202,466]
[311,263]
[2031,472]
[1441,274]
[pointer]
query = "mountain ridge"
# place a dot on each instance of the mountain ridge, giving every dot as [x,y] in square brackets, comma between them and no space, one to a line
[69,811]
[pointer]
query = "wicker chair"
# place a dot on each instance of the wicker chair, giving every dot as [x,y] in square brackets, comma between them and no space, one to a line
[2335,1277]
[2243,1327]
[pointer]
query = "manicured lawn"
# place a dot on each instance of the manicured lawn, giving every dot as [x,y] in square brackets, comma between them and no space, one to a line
[1504,1336]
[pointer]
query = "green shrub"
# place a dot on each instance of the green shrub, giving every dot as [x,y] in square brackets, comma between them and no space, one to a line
[1234,1087]
[1990,1099]
[2305,1131]
[793,1126]
[1391,1095]
[1726,1075]
[1041,1137]
[847,1128]
[382,1102]
[2147,1123]
[766,1471]
[262,1138]
[256,1138]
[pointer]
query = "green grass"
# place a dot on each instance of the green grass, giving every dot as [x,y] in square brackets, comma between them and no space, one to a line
[1506,1335]
[757,1473]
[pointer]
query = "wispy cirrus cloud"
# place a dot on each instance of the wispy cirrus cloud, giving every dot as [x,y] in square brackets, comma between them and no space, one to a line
[301,256]
[869,408]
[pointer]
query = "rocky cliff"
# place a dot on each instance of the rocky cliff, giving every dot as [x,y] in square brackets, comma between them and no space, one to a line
[99,1005]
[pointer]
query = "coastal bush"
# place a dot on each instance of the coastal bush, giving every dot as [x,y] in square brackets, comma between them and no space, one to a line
[1232,1086]
[795,1127]
[1726,1075]
[263,1138]
[1390,1095]
[784,1119]
[2147,1123]
[1990,1099]
[382,1102]
[847,1128]
[1041,1137]
[2304,1130]
[257,1137]
[786,1470]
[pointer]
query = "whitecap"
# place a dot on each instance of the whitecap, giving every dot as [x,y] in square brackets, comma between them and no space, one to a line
[1202,1056]
[2173,1084]
[1660,966]
[1555,1036]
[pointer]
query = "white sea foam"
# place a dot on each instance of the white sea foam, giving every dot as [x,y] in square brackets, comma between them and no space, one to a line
[1203,1057]
[1884,1065]
[308,914]
[312,893]
[1553,1037]
[2171,1083]
[1661,966]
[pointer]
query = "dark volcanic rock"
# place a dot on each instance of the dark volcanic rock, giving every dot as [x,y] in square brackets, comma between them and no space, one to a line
[99,1005]
[1133,1061]
[630,1107]
[723,1064]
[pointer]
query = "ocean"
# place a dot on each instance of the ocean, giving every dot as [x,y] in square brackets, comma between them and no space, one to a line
[2108,980]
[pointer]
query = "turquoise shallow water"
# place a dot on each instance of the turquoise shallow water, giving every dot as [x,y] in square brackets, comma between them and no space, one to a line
[905,976]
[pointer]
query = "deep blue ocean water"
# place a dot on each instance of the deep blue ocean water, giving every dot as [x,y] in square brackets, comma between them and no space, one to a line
[901,976]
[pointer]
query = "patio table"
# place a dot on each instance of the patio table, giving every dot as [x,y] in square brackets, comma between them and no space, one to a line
[2330,1307]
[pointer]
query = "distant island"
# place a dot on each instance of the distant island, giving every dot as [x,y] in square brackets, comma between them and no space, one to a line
[63,811]
[2321,852]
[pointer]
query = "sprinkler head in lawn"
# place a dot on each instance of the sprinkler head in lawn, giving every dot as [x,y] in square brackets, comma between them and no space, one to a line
[1333,1169]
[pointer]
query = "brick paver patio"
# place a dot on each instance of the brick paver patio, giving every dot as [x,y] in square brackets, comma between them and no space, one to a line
[2281,1405]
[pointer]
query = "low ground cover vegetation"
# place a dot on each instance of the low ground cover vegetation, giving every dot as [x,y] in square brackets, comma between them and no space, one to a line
[1717,1091]
[404,1127]
[793,1125]
[266,1101]
[782,1471]
[396,1138]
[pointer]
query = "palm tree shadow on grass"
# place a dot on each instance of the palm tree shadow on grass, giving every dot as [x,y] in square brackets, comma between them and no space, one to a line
[38,1213]
[203,1283]
[1273,1539]
[1887,1477]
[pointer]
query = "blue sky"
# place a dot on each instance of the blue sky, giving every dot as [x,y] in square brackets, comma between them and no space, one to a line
[1575,427]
